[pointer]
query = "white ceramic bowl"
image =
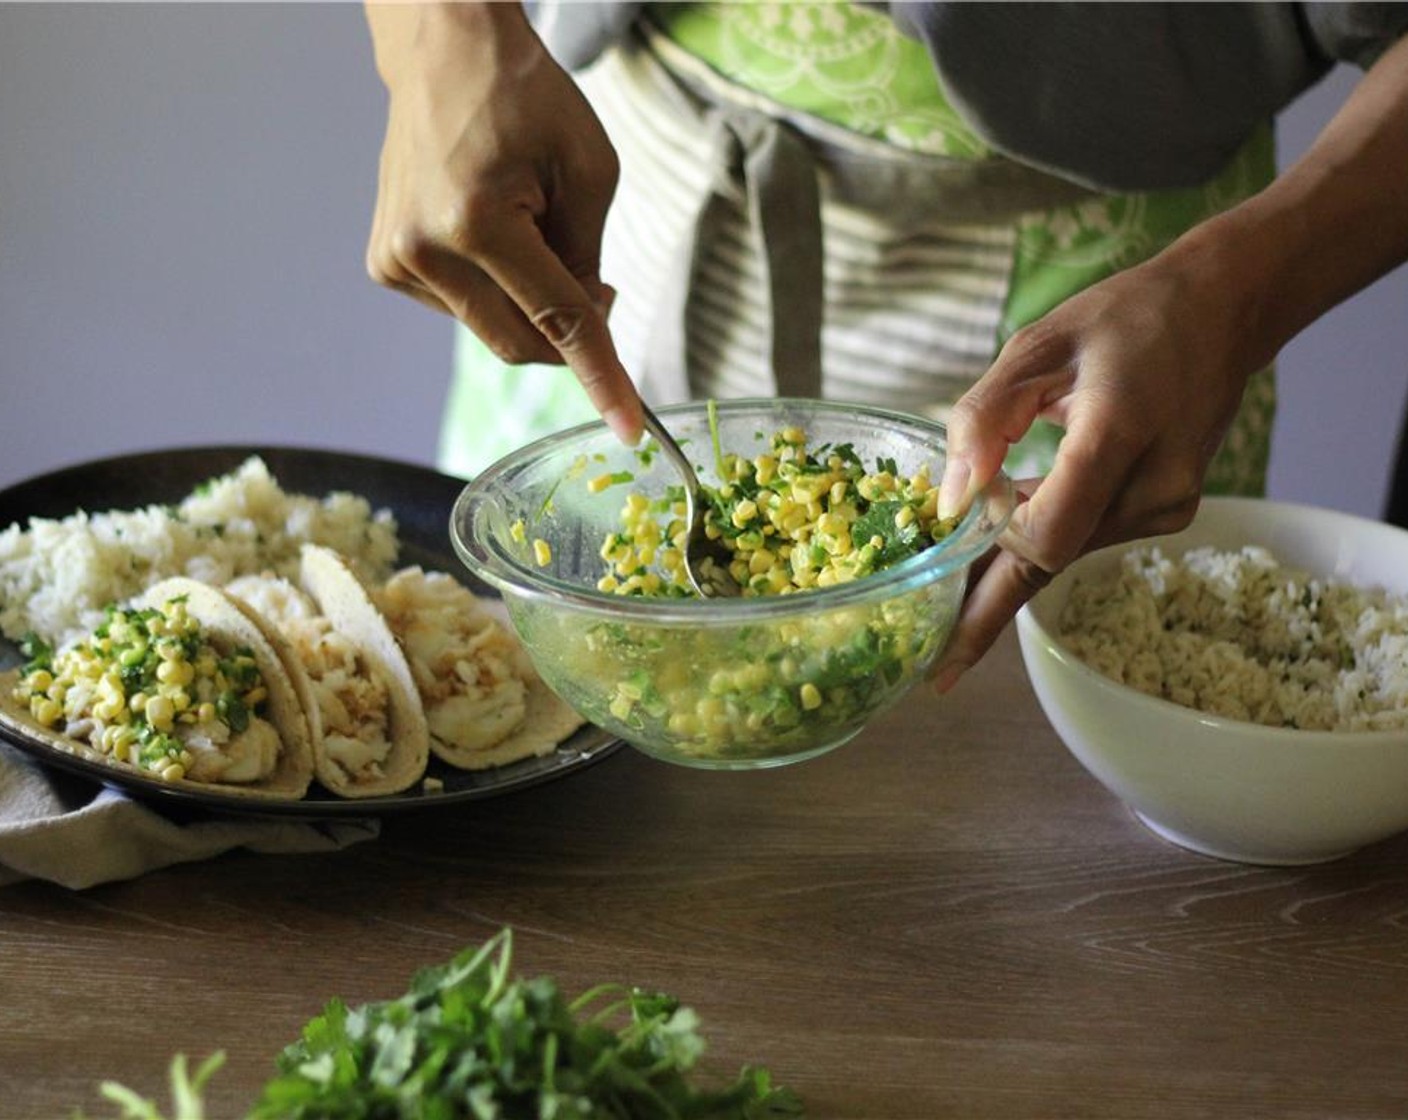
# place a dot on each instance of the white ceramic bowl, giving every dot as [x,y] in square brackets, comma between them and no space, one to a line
[1225,788]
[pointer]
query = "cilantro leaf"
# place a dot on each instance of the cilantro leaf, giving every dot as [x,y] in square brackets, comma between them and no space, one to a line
[37,653]
[896,543]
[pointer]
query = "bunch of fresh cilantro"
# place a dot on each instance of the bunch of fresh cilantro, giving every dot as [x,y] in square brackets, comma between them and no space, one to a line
[470,1041]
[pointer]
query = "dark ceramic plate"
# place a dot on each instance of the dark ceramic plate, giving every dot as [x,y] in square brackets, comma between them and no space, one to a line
[419,498]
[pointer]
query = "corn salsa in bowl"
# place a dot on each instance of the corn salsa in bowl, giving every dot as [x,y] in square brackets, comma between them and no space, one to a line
[852,585]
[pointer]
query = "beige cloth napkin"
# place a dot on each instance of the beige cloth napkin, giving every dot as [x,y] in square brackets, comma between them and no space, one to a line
[69,831]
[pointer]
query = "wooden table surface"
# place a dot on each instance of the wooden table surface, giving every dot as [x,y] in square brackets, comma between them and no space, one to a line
[946,918]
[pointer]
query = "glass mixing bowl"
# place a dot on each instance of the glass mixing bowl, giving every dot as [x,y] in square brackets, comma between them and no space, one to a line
[715,683]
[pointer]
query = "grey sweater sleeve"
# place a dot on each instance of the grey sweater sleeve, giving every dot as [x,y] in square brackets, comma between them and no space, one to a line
[1356,33]
[575,32]
[1142,96]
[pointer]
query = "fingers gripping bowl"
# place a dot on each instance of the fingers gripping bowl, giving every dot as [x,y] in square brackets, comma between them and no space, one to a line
[1234,787]
[717,683]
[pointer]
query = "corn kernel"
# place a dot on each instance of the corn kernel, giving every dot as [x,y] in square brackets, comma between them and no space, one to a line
[761,560]
[542,552]
[160,712]
[175,672]
[810,696]
[803,492]
[109,709]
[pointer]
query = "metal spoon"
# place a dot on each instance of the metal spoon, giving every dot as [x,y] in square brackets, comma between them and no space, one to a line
[706,559]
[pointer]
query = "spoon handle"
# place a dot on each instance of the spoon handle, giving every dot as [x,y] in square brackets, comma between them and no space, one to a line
[673,451]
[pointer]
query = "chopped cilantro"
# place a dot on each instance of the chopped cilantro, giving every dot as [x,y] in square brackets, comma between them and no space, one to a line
[37,653]
[469,1040]
[897,543]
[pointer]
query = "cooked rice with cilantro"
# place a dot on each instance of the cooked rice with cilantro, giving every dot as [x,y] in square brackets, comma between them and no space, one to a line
[58,575]
[1237,634]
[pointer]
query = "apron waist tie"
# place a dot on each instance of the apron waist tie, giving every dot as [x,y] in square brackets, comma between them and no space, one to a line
[771,167]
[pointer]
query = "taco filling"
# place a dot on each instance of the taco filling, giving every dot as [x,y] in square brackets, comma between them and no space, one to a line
[469,670]
[353,730]
[154,688]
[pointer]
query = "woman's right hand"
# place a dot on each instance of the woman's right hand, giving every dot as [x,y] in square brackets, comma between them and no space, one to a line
[495,181]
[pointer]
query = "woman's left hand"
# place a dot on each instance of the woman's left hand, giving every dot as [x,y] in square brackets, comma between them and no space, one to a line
[1144,371]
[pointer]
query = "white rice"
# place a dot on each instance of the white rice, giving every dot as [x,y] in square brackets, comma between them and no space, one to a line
[1236,634]
[57,576]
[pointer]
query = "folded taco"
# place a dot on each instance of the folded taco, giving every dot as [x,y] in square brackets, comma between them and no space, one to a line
[484,702]
[369,734]
[178,685]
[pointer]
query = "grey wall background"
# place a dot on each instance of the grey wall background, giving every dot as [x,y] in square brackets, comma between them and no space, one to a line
[185,191]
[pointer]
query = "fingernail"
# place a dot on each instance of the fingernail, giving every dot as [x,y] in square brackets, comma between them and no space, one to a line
[627,428]
[946,676]
[953,488]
